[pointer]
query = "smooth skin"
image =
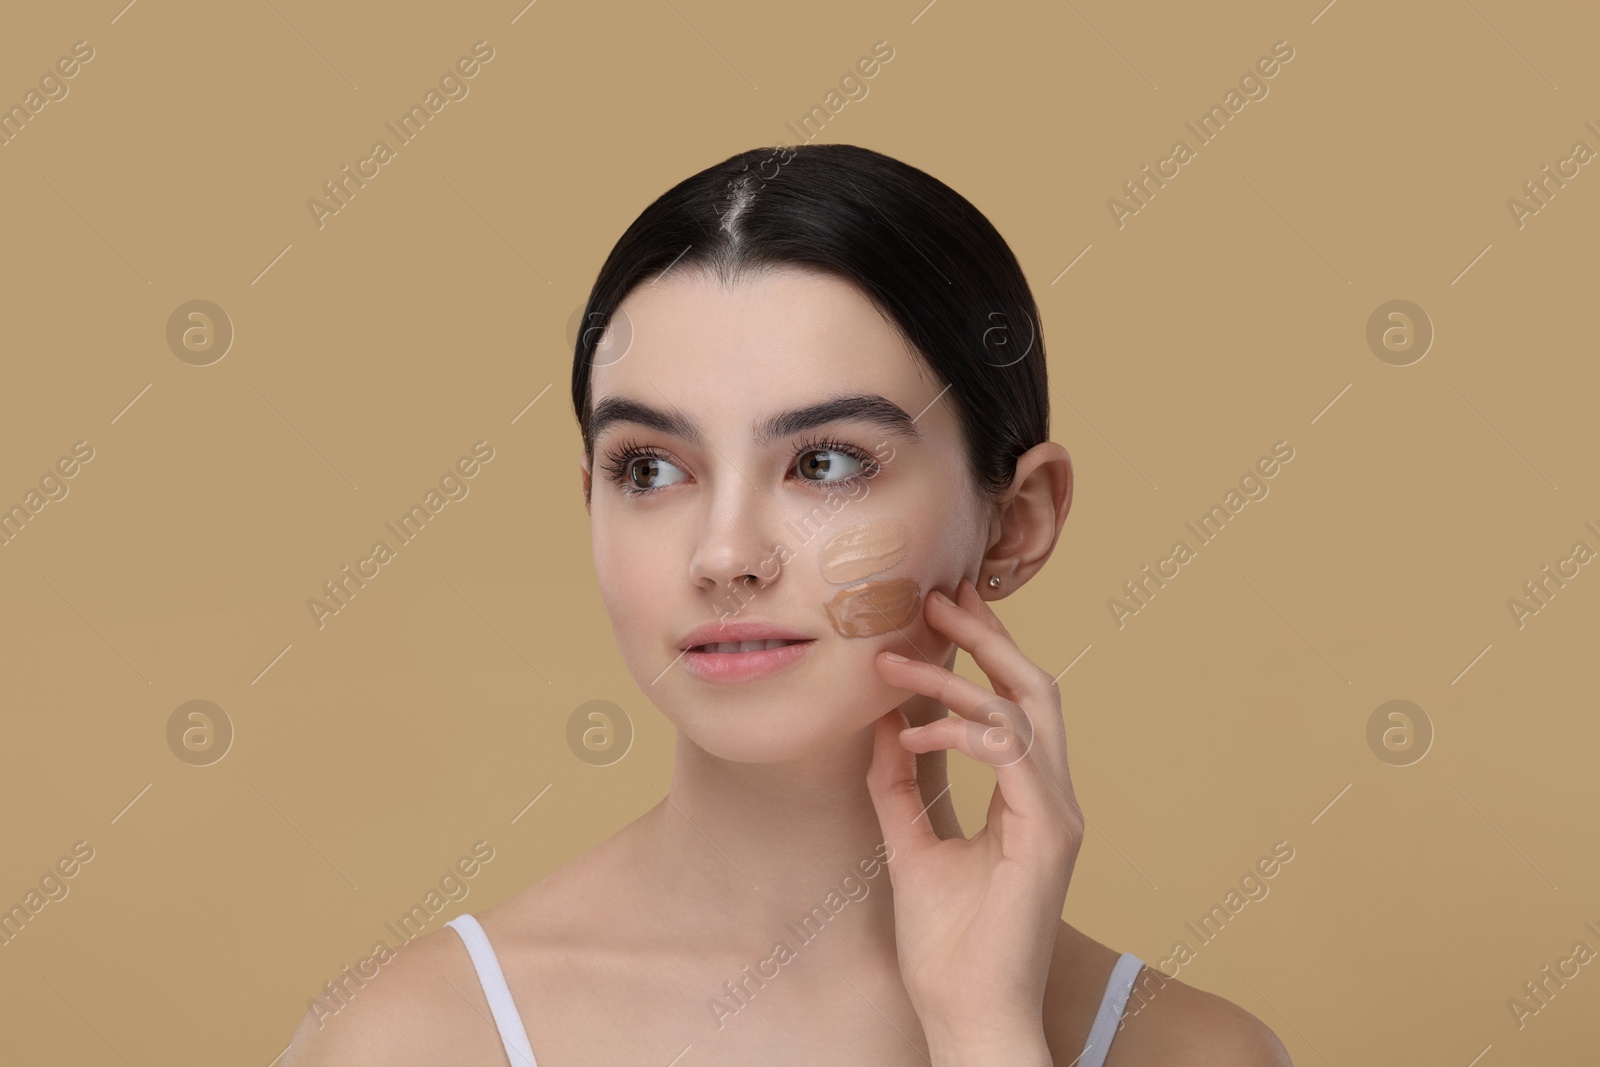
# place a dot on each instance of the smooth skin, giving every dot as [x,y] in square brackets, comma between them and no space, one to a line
[955,952]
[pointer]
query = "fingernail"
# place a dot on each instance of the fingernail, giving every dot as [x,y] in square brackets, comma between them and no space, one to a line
[897,657]
[939,595]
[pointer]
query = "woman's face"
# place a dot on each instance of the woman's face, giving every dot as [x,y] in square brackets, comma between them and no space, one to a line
[750,508]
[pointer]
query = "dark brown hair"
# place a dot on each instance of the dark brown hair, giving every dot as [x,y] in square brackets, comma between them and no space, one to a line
[921,252]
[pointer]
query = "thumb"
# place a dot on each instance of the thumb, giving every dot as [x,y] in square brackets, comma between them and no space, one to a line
[892,783]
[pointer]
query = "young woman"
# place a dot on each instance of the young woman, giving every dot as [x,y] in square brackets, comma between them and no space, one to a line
[814,413]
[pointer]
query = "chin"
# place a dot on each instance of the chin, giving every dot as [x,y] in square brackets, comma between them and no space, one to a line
[780,719]
[751,742]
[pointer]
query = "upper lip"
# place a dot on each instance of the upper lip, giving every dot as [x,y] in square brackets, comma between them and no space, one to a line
[713,633]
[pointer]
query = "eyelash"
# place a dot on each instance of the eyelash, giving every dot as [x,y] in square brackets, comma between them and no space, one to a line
[622,456]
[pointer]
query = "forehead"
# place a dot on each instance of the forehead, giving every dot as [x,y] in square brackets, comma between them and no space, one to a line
[756,343]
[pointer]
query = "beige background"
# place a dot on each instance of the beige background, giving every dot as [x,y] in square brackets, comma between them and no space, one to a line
[1228,314]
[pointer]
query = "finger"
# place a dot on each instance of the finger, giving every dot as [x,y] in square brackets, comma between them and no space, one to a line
[892,784]
[1001,730]
[988,728]
[1025,780]
[995,730]
[961,695]
[974,626]
[999,741]
[986,712]
[1002,743]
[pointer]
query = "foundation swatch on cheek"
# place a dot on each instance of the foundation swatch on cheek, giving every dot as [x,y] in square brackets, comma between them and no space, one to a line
[873,608]
[862,550]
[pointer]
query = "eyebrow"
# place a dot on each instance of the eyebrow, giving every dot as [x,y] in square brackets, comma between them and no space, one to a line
[870,408]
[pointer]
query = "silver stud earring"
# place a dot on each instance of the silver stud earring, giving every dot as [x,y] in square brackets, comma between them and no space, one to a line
[994,582]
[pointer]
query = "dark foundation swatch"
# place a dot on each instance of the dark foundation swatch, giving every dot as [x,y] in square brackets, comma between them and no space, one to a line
[873,608]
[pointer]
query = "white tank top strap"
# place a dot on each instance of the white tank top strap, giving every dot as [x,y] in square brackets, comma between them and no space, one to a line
[1107,1019]
[519,1053]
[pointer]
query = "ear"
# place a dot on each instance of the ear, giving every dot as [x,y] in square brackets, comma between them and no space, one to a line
[1027,521]
[583,468]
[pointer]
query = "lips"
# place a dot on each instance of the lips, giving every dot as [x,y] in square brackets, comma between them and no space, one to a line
[742,651]
[741,633]
[735,668]
[742,646]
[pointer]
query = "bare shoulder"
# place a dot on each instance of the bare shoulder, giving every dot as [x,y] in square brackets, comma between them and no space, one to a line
[423,1005]
[1166,1022]
[1171,1023]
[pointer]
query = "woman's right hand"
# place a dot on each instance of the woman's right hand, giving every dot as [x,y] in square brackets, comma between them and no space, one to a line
[976,918]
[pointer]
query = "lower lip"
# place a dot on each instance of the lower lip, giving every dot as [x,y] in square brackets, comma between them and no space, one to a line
[734,667]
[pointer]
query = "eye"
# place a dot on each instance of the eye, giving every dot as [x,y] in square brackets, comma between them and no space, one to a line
[645,472]
[638,469]
[829,462]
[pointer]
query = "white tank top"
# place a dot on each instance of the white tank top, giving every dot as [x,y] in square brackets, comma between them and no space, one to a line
[519,1053]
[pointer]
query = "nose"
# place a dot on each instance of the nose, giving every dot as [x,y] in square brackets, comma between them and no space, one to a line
[735,548]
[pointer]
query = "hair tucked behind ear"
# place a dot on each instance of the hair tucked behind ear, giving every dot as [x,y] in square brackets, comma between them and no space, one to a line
[932,263]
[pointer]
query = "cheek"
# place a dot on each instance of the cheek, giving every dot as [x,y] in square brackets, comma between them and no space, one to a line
[876,575]
[862,551]
[868,606]
[873,608]
[628,580]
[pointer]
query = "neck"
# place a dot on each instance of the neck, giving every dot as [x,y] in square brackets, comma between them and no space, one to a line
[762,846]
